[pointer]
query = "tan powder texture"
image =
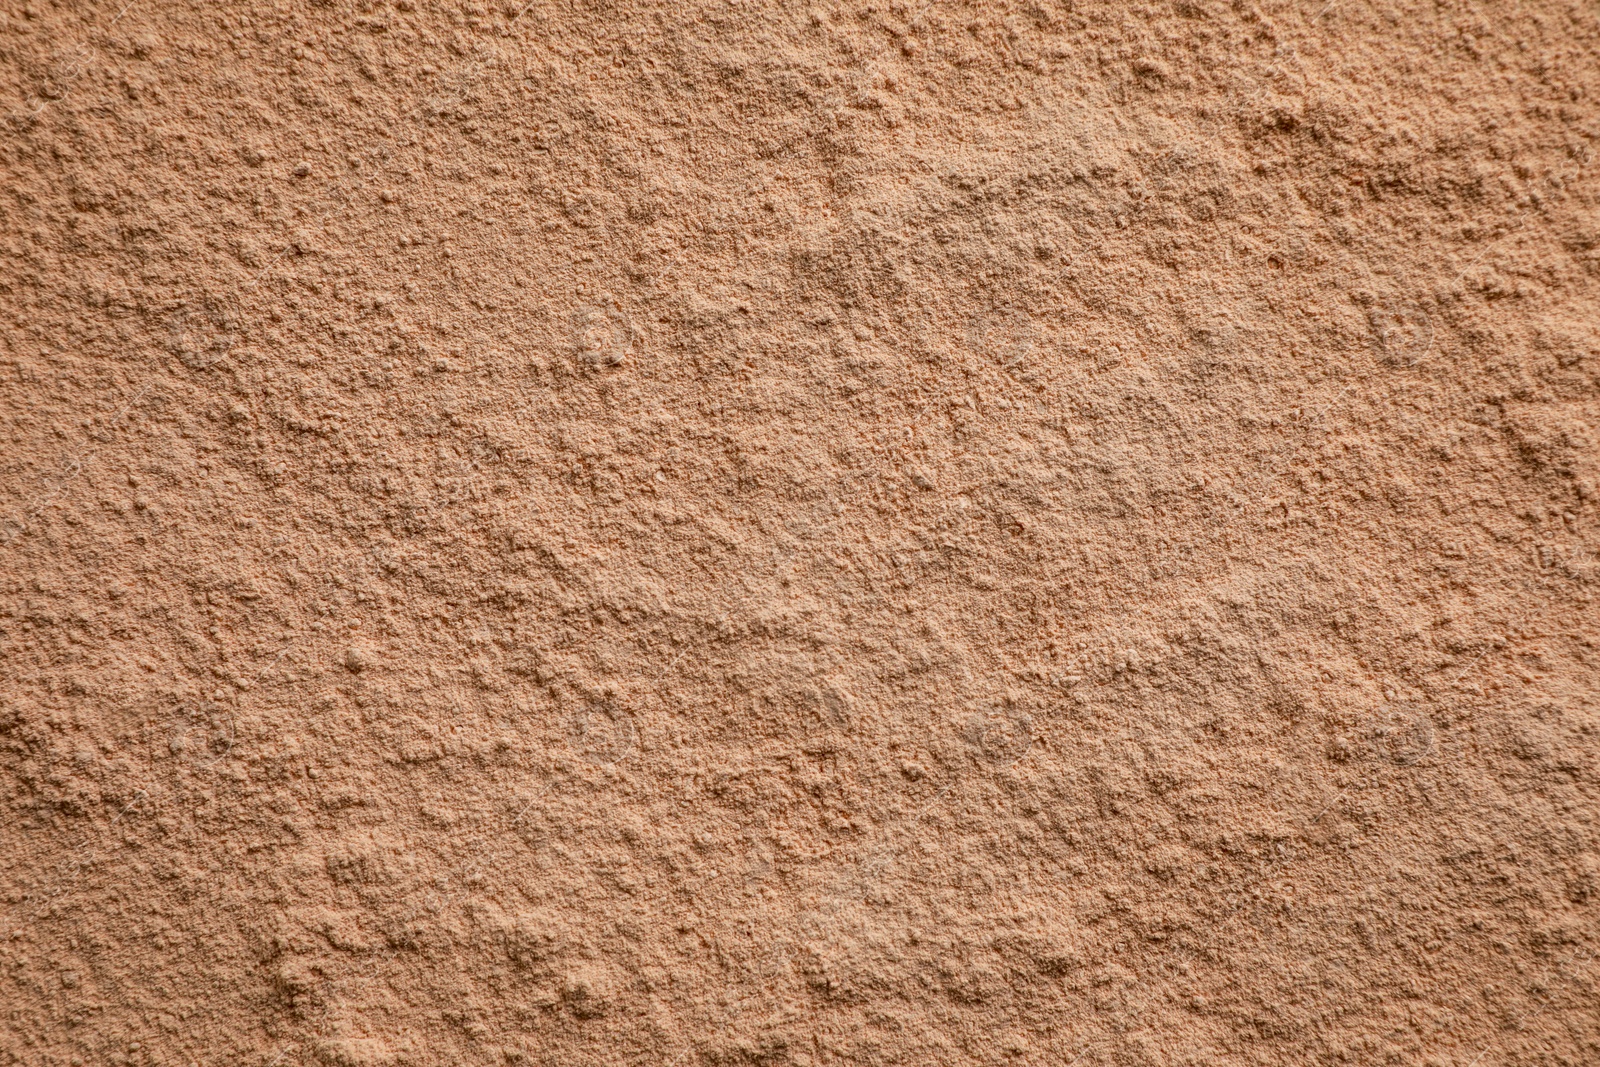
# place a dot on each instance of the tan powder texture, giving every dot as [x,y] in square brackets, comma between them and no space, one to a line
[732,533]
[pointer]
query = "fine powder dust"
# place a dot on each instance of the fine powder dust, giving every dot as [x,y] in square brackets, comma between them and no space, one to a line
[729,533]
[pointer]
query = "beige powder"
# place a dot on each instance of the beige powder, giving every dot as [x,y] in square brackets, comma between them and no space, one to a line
[721,533]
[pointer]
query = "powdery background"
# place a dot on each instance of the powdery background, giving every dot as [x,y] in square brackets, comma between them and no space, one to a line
[713,533]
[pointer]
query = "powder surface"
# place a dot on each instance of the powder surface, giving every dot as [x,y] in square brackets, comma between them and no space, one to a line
[752,533]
